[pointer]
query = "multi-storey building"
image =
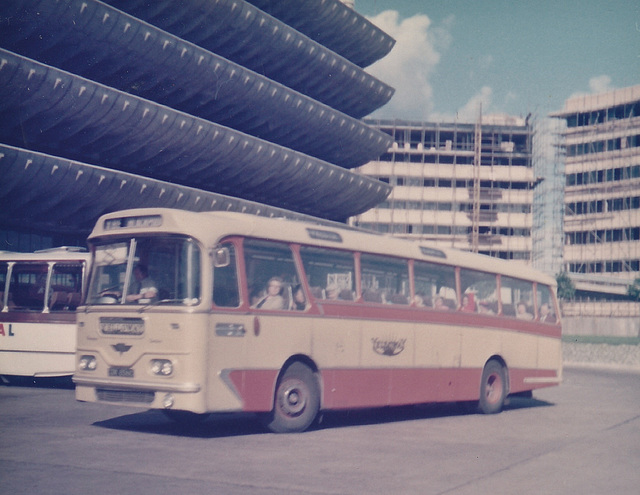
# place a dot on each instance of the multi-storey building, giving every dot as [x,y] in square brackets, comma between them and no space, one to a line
[469,186]
[602,190]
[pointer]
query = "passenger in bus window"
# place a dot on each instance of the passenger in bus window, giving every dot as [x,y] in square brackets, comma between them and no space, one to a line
[418,300]
[438,303]
[332,292]
[273,299]
[299,299]
[545,314]
[522,312]
[468,304]
[144,289]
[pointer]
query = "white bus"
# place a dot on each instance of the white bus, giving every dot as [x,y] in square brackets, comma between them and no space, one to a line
[196,313]
[39,293]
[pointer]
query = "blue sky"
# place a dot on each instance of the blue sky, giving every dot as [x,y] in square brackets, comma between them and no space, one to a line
[514,56]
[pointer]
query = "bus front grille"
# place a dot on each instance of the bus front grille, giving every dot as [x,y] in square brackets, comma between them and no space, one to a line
[134,396]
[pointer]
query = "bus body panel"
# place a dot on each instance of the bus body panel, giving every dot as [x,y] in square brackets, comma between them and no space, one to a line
[37,349]
[123,361]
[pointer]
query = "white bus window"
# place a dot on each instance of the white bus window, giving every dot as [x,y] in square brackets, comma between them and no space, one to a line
[546,305]
[271,274]
[66,286]
[162,270]
[28,286]
[225,281]
[4,267]
[108,272]
[479,292]
[384,279]
[517,298]
[330,273]
[435,286]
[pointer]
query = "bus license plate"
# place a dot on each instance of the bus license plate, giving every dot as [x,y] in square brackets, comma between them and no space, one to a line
[121,372]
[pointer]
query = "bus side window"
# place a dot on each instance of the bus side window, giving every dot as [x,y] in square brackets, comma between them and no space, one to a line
[385,279]
[435,286]
[66,286]
[4,268]
[28,285]
[330,272]
[271,274]
[479,292]
[517,298]
[225,282]
[546,305]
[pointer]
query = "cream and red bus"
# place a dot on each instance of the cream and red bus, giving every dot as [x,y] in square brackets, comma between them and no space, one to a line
[196,313]
[39,294]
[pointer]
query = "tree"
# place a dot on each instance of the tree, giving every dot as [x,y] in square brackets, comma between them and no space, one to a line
[634,290]
[566,289]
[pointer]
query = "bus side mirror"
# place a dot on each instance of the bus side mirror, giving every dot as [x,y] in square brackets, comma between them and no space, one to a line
[221,257]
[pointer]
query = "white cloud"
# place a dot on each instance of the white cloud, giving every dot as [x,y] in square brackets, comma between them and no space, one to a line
[598,84]
[410,64]
[470,111]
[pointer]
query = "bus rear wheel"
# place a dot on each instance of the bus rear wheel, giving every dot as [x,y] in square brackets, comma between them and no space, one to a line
[493,388]
[297,400]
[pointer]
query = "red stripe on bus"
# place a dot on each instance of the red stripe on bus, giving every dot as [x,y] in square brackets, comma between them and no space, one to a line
[255,388]
[361,388]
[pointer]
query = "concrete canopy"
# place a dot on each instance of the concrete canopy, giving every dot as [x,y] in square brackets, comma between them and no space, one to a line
[33,186]
[105,45]
[215,99]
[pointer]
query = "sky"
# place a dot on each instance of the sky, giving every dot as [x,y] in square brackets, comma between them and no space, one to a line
[514,57]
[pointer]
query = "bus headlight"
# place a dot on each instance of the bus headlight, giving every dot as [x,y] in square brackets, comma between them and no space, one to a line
[161,367]
[87,363]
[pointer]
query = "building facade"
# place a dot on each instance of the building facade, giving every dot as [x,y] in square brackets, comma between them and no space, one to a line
[467,186]
[601,220]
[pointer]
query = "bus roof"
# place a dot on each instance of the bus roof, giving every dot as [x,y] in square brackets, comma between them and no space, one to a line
[53,254]
[339,236]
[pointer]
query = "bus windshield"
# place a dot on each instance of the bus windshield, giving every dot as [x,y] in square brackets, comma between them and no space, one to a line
[146,270]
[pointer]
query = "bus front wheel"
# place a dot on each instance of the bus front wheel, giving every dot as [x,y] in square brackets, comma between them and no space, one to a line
[493,388]
[297,400]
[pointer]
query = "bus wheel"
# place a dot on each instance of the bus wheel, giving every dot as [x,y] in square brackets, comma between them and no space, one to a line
[493,388]
[297,400]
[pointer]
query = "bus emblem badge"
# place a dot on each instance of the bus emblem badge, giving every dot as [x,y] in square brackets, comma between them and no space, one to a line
[121,348]
[390,347]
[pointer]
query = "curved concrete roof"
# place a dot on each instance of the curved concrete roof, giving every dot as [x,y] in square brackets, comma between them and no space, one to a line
[334,25]
[52,194]
[105,45]
[52,111]
[252,38]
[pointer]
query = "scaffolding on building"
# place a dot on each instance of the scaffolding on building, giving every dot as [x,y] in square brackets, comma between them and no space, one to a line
[462,185]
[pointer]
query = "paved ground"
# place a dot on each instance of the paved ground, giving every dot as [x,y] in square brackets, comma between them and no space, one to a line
[582,438]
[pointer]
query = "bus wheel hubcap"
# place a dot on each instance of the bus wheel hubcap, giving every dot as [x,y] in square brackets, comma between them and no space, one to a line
[293,402]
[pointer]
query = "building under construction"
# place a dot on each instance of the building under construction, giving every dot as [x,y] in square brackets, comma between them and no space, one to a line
[601,142]
[468,186]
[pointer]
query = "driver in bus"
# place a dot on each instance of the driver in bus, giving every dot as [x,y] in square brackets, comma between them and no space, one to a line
[144,289]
